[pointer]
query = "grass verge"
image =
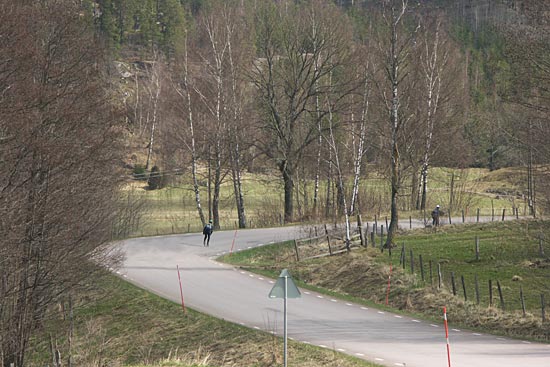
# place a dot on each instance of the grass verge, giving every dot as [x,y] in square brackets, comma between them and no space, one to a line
[118,324]
[509,254]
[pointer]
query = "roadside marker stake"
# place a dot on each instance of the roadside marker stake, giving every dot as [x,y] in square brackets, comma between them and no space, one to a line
[181,290]
[447,335]
[233,244]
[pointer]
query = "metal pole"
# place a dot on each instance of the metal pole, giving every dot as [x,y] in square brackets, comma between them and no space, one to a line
[285,335]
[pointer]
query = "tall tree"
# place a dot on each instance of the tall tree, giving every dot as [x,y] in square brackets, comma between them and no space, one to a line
[58,131]
[294,55]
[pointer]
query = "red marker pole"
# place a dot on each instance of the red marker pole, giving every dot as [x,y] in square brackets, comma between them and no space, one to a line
[389,282]
[233,244]
[447,335]
[181,290]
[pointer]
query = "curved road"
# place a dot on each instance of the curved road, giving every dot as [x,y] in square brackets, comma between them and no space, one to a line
[242,297]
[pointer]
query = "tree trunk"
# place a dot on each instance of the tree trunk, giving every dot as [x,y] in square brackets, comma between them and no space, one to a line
[288,180]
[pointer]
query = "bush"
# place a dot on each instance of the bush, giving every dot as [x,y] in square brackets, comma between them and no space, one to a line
[139,172]
[155,179]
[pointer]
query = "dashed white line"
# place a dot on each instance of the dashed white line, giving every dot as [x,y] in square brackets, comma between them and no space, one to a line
[242,272]
[249,247]
[399,364]
[455,330]
[525,342]
[501,339]
[303,341]
[320,297]
[379,359]
[415,321]
[323,346]
[261,278]
[381,312]
[272,282]
[398,317]
[307,292]
[364,308]
[341,350]
[349,304]
[433,325]
[476,334]
[359,354]
[257,328]
[333,300]
[250,275]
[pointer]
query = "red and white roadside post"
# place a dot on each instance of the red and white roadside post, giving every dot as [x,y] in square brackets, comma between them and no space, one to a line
[447,335]
[233,244]
[181,290]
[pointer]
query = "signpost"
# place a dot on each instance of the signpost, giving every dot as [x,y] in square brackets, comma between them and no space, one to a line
[285,288]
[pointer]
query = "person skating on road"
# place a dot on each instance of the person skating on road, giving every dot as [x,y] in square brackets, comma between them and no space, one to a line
[435,216]
[207,231]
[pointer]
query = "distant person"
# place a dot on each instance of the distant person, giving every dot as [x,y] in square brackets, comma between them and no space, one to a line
[436,213]
[207,231]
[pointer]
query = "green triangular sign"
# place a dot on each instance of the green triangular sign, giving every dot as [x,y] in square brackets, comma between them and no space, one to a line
[278,290]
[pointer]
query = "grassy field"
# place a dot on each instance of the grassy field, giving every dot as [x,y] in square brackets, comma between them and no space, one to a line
[509,254]
[118,324]
[173,209]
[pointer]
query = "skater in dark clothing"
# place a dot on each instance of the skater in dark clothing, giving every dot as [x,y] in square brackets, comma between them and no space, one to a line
[435,216]
[207,231]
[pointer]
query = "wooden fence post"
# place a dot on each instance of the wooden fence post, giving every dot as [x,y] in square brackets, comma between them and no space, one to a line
[453,282]
[477,215]
[328,240]
[450,219]
[500,296]
[403,256]
[490,293]
[522,300]
[367,235]
[477,248]
[421,267]
[410,222]
[431,274]
[464,288]
[462,215]
[439,275]
[381,236]
[296,249]
[541,247]
[372,239]
[503,214]
[412,262]
[387,222]
[543,307]
[476,288]
[360,225]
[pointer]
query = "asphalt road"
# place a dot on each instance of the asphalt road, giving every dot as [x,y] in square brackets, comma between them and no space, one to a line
[242,297]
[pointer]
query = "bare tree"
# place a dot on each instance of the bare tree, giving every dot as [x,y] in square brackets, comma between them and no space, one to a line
[59,151]
[295,54]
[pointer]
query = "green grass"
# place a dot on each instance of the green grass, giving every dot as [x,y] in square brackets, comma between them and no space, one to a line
[117,323]
[173,209]
[509,253]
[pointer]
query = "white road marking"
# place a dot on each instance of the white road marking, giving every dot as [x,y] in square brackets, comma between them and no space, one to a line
[399,364]
[261,278]
[323,346]
[398,317]
[525,342]
[320,297]
[349,304]
[242,272]
[364,308]
[456,330]
[250,275]
[257,328]
[476,334]
[272,282]
[501,339]
[249,247]
[307,292]
[333,300]
[433,325]
[415,321]
[381,313]
[341,350]
[379,359]
[359,354]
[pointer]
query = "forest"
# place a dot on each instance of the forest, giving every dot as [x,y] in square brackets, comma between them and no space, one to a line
[317,94]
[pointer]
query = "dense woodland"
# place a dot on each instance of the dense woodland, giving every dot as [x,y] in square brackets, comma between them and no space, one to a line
[319,93]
